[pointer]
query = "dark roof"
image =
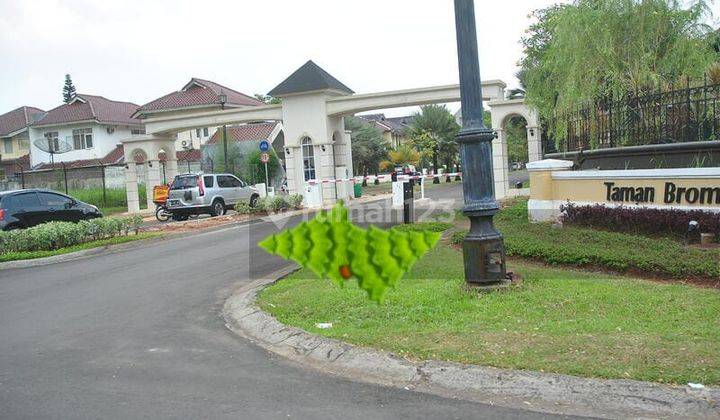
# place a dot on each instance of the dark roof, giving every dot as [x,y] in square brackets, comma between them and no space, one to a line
[307,78]
[245,132]
[199,92]
[395,124]
[91,108]
[116,157]
[18,119]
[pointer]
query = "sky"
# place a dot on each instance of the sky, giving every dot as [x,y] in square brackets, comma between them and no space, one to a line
[139,50]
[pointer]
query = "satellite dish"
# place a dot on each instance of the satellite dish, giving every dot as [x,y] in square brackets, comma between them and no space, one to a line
[53,146]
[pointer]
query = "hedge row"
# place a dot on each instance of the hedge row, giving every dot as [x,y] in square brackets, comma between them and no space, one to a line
[581,246]
[641,220]
[55,235]
[272,204]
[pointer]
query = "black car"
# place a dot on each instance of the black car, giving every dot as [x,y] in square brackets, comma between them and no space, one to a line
[25,208]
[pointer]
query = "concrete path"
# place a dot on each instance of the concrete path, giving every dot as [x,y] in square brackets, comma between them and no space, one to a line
[139,334]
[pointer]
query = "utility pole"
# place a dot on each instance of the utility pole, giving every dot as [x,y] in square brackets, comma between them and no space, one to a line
[483,247]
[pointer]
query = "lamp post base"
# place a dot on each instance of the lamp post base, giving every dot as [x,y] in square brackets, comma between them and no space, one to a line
[484,254]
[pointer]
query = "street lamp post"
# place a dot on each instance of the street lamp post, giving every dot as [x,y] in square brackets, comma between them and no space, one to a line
[483,248]
[223,99]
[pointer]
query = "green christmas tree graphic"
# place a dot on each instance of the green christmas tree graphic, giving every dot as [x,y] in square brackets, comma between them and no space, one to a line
[332,247]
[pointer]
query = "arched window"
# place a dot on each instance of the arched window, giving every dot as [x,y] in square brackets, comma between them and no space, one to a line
[308,155]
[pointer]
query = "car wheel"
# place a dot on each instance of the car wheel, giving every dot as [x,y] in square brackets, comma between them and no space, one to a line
[254,200]
[217,208]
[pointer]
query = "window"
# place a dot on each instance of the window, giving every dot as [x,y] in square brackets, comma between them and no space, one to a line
[23,144]
[55,200]
[52,139]
[8,146]
[228,181]
[82,138]
[137,131]
[184,182]
[208,181]
[308,155]
[197,132]
[21,201]
[205,132]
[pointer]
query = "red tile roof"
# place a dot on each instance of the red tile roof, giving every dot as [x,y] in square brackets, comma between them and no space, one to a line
[199,92]
[92,108]
[115,157]
[18,119]
[245,132]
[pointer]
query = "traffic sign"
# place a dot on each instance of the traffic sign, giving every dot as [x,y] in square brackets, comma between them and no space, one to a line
[264,157]
[264,146]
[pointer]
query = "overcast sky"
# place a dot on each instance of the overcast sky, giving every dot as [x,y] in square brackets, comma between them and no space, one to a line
[138,50]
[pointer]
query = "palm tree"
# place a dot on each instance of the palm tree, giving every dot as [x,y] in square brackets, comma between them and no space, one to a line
[433,132]
[402,156]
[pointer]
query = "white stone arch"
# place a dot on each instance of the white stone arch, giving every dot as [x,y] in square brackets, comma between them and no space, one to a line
[150,147]
[501,111]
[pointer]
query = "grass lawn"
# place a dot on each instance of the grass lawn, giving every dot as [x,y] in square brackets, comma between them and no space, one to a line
[115,198]
[16,256]
[557,320]
[579,246]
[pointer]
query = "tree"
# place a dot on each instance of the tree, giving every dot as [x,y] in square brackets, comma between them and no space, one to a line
[592,49]
[68,89]
[433,131]
[368,145]
[516,135]
[254,169]
[270,100]
[404,155]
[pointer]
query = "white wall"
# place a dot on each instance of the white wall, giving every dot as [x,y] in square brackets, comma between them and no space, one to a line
[103,142]
[190,137]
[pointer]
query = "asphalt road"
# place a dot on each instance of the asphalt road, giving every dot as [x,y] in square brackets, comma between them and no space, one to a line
[139,334]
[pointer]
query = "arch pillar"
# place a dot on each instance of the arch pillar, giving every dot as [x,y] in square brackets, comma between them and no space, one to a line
[500,164]
[534,137]
[131,187]
[154,178]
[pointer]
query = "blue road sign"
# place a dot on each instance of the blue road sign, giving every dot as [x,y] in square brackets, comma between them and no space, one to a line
[264,146]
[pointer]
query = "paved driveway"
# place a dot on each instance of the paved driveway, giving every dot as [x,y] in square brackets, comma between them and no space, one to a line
[139,334]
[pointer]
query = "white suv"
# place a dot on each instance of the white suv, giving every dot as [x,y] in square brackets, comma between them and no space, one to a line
[213,194]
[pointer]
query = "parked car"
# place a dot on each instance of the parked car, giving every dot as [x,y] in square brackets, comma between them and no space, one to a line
[26,208]
[210,194]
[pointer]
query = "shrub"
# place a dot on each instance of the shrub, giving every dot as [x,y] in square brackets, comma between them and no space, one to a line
[243,208]
[642,220]
[273,204]
[295,201]
[581,246]
[55,235]
[457,237]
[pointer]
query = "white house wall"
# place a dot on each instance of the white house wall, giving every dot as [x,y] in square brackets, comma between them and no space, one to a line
[103,142]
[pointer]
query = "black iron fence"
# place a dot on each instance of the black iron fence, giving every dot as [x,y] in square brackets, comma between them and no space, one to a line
[677,114]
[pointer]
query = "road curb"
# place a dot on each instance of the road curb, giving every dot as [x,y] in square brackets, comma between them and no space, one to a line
[542,392]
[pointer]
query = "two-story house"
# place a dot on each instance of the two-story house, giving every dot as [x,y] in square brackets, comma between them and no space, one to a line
[89,127]
[196,94]
[14,138]
[393,129]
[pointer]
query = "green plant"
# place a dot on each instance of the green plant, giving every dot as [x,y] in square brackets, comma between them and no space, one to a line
[332,247]
[295,201]
[58,235]
[575,53]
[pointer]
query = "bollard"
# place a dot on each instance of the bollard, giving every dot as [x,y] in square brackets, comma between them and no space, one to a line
[408,201]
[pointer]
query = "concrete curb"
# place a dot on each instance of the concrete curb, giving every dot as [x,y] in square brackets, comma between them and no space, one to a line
[542,392]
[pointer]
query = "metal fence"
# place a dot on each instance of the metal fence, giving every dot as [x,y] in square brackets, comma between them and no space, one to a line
[678,114]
